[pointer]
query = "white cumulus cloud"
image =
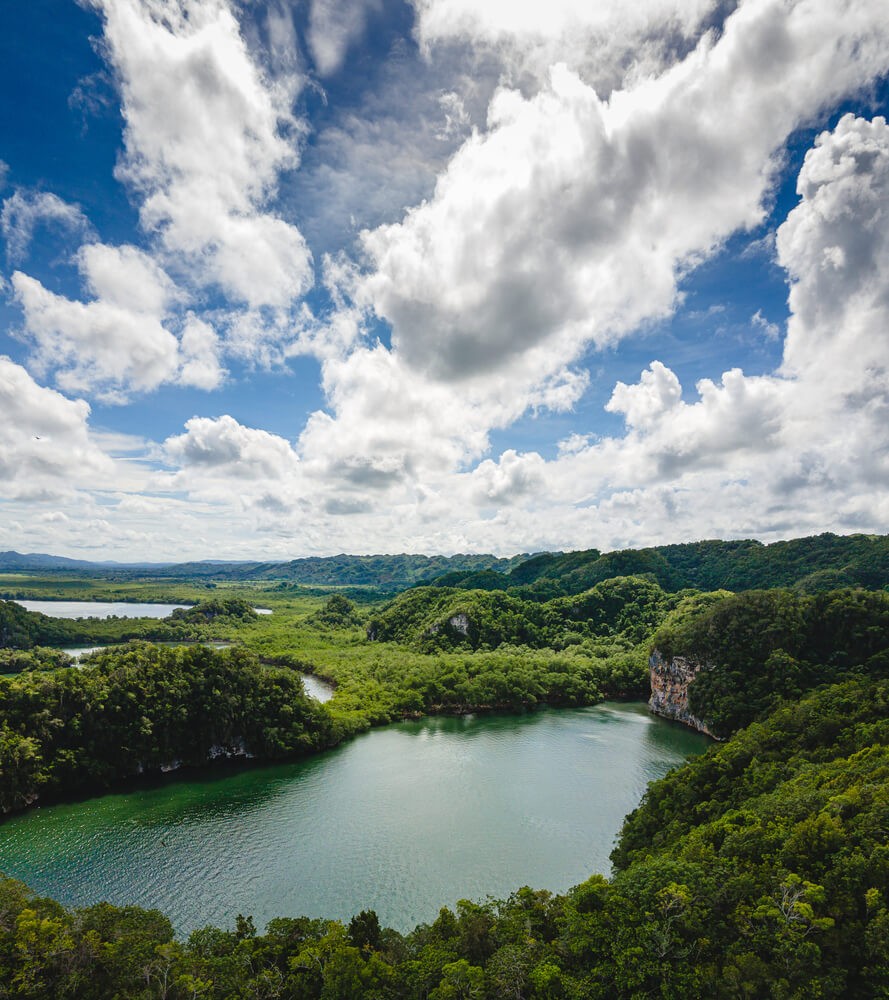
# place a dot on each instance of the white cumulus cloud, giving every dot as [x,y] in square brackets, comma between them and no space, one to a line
[118,341]
[24,211]
[45,445]
[569,221]
[206,137]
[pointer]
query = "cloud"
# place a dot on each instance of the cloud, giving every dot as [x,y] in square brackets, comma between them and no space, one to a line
[805,449]
[45,445]
[644,404]
[438,19]
[605,42]
[562,224]
[834,246]
[802,450]
[222,446]
[118,342]
[199,348]
[334,26]
[24,211]
[206,137]
[569,222]
[456,117]
[379,150]
[771,330]
[509,480]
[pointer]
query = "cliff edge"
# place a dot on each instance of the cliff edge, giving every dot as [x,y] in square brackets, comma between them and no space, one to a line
[670,681]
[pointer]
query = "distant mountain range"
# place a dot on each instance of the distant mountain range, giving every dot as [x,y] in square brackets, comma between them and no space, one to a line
[12,562]
[385,571]
[819,562]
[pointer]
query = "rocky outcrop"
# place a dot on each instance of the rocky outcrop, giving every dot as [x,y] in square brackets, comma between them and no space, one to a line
[670,681]
[458,623]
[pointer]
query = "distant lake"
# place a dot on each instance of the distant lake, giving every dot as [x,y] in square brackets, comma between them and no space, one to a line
[107,609]
[100,609]
[403,819]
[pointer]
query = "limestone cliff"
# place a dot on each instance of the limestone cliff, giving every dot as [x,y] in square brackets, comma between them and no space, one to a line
[670,681]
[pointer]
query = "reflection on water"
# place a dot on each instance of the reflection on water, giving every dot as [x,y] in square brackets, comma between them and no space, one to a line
[402,819]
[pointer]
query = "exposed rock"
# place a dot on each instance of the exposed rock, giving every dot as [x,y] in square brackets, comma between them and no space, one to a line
[670,681]
[456,623]
[238,749]
[460,623]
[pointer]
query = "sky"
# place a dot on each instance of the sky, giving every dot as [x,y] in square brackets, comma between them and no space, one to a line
[290,278]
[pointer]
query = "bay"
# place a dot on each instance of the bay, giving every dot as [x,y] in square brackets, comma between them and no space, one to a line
[402,820]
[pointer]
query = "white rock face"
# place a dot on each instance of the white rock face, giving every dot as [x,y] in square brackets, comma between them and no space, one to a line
[460,623]
[670,681]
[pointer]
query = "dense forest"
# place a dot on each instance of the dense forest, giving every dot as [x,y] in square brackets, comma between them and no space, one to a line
[761,647]
[384,571]
[816,563]
[759,869]
[143,709]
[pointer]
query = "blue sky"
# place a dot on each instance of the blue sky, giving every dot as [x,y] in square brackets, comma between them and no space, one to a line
[284,278]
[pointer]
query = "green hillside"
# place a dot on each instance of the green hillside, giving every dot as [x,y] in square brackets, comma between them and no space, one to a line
[813,564]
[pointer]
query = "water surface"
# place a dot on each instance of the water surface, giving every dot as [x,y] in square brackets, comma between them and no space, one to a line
[316,688]
[108,609]
[100,609]
[403,819]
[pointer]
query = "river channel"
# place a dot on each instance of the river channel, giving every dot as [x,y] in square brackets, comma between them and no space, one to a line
[403,820]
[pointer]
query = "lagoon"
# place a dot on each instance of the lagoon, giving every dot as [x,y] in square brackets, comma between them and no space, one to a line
[402,819]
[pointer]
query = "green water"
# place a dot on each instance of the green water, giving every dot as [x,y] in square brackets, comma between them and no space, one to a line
[403,820]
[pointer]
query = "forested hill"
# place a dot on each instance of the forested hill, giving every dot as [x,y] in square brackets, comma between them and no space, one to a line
[387,572]
[814,564]
[394,572]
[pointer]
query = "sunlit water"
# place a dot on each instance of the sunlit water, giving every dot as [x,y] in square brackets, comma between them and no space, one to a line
[403,820]
[316,688]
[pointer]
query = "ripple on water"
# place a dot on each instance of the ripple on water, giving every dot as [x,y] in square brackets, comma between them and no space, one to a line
[403,820]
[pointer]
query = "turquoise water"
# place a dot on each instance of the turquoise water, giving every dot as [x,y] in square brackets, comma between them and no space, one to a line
[402,819]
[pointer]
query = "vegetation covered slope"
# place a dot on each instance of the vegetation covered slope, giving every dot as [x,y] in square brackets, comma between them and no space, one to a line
[745,874]
[814,564]
[145,708]
[760,647]
[439,617]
